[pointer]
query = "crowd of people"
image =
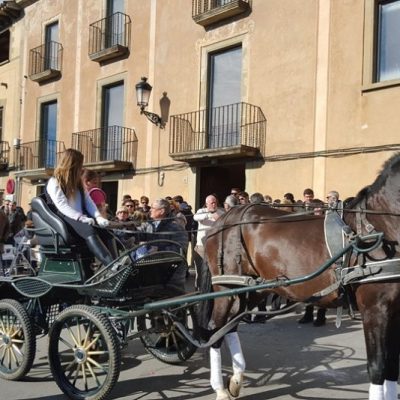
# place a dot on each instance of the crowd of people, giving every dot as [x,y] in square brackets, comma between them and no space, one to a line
[76,193]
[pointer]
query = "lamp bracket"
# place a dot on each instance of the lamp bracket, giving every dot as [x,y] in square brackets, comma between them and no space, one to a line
[154,118]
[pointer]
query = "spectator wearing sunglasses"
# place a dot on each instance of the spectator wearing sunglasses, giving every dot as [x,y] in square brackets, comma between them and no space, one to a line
[130,205]
[243,198]
[235,191]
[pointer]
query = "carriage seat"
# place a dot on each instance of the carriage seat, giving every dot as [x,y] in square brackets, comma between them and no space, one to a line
[51,231]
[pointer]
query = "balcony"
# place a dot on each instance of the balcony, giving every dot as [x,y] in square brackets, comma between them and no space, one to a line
[4,155]
[109,38]
[45,62]
[37,160]
[207,12]
[227,132]
[10,11]
[111,148]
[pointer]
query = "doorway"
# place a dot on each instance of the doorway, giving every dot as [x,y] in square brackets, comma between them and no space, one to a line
[111,190]
[220,180]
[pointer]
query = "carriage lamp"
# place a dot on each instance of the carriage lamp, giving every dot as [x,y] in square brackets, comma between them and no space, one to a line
[143,92]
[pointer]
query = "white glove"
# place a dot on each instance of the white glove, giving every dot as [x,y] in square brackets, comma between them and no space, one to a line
[102,221]
[86,220]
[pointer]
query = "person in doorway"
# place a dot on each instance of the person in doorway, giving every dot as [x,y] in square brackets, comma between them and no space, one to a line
[77,209]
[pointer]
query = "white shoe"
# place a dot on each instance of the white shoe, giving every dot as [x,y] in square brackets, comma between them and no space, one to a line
[235,383]
[222,394]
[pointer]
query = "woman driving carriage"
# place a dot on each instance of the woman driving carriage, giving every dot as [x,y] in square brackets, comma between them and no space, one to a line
[77,209]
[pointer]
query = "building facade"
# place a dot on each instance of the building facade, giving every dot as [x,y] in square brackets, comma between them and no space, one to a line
[270,96]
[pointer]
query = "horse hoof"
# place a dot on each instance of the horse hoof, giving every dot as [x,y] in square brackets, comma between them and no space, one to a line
[235,384]
[222,395]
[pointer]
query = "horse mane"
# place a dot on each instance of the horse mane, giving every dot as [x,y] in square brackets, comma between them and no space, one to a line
[390,164]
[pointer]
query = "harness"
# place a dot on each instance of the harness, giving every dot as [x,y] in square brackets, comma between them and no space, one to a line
[337,236]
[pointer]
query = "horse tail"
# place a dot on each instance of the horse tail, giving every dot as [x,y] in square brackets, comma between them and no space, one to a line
[205,307]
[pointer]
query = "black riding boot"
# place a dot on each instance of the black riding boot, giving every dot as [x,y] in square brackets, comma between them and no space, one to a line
[308,315]
[320,320]
[99,250]
[112,247]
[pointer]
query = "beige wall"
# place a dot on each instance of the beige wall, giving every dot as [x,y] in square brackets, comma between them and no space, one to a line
[304,64]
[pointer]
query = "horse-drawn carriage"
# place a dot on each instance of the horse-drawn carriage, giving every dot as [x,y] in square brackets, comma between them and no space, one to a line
[250,249]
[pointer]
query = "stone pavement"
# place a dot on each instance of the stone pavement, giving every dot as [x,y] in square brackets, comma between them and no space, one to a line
[285,360]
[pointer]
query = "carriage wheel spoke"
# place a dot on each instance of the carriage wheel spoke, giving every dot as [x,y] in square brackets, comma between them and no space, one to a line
[92,342]
[88,332]
[17,350]
[3,328]
[84,376]
[3,354]
[72,335]
[69,345]
[14,356]
[76,374]
[78,327]
[9,358]
[16,333]
[97,352]
[96,364]
[69,368]
[18,341]
[93,374]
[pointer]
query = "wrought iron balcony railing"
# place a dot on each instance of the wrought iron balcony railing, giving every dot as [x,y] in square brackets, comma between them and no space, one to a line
[45,61]
[109,37]
[38,154]
[206,12]
[233,125]
[110,143]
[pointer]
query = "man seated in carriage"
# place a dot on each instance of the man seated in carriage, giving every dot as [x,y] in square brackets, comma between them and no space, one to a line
[163,225]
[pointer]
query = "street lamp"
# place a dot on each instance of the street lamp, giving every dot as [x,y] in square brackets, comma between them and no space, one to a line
[143,92]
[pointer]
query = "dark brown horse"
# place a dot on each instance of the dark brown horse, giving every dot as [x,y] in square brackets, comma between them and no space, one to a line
[269,243]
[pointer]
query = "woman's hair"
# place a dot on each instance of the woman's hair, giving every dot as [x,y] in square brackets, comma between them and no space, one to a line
[68,171]
[89,175]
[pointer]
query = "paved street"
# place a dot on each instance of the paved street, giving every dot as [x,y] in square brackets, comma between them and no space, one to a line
[285,360]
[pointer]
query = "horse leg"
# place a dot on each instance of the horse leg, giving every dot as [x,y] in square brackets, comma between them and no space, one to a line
[392,360]
[216,380]
[381,330]
[380,360]
[238,363]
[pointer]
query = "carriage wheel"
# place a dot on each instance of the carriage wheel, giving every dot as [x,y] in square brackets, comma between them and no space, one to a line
[17,340]
[84,353]
[163,340]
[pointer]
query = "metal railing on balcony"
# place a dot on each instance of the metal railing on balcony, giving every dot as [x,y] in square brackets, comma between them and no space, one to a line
[220,127]
[114,30]
[205,12]
[46,57]
[38,154]
[4,153]
[110,143]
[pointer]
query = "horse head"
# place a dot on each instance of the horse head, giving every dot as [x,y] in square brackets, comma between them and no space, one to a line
[377,206]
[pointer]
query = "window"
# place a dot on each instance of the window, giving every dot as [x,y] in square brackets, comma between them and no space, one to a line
[48,134]
[4,46]
[1,123]
[387,41]
[112,121]
[224,97]
[51,46]
[115,30]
